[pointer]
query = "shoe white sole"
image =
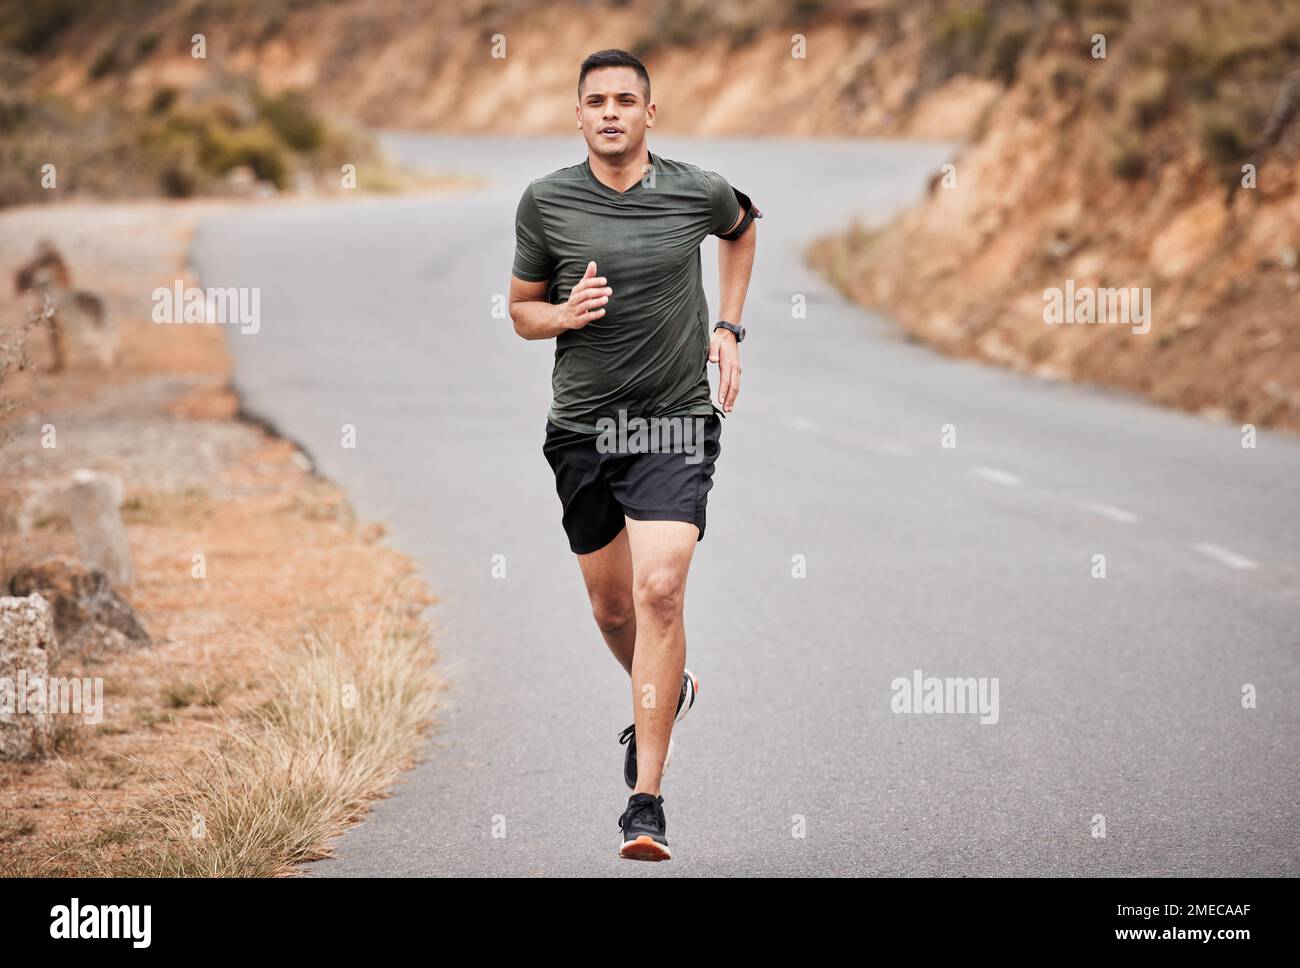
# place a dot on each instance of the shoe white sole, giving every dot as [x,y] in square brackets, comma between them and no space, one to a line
[694,690]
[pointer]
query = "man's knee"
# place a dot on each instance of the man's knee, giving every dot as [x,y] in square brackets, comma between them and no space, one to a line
[612,614]
[659,595]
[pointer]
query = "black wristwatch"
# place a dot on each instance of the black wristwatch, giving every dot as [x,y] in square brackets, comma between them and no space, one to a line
[732,328]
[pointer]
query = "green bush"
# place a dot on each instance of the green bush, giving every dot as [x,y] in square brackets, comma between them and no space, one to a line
[291,115]
[962,33]
[257,147]
[188,143]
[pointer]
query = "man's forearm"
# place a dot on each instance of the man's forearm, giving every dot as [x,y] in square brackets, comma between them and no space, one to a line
[537,319]
[735,261]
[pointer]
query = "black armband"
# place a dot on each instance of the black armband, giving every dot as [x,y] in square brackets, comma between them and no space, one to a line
[751,213]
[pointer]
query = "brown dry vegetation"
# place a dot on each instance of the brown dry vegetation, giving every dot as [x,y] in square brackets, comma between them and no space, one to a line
[286,688]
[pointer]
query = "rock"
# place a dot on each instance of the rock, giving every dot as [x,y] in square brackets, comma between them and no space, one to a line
[92,331]
[45,504]
[91,502]
[89,616]
[28,649]
[40,507]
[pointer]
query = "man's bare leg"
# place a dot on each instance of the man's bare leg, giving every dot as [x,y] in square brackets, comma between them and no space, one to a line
[661,556]
[608,574]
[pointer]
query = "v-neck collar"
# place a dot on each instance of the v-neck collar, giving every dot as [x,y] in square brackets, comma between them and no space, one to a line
[606,190]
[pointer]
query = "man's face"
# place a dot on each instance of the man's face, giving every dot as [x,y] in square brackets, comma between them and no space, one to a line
[613,111]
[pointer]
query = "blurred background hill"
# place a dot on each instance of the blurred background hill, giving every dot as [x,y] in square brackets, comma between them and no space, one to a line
[1172,164]
[1169,162]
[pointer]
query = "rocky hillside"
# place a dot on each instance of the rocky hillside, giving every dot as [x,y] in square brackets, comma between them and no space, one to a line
[1170,165]
[718,66]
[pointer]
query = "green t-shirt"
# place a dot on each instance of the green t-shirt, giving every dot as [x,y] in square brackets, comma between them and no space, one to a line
[648,354]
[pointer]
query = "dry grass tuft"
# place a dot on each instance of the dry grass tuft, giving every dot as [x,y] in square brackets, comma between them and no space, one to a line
[345,715]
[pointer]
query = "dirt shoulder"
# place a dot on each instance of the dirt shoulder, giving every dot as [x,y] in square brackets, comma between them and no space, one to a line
[292,584]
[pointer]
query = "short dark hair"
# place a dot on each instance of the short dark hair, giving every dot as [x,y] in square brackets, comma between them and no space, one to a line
[614,58]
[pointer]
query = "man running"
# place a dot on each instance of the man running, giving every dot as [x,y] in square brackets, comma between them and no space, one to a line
[607,262]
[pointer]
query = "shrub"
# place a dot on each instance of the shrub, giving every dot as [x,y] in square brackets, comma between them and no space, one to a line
[1148,99]
[961,33]
[31,25]
[106,63]
[178,179]
[291,115]
[1222,139]
[163,100]
[256,147]
[145,46]
[1066,79]
[1004,54]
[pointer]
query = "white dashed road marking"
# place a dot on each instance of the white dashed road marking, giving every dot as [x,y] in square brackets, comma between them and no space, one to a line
[1110,511]
[1225,557]
[996,476]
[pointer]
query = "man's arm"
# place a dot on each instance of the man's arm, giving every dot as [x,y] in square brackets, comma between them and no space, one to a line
[533,316]
[536,318]
[735,262]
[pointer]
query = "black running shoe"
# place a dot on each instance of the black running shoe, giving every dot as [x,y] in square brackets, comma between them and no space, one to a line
[685,700]
[644,829]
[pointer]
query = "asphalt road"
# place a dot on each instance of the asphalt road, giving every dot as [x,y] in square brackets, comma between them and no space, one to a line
[1117,696]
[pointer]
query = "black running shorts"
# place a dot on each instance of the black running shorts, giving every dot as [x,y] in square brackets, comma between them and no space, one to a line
[597,489]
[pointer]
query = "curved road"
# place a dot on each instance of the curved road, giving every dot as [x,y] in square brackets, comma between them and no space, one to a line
[1118,696]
